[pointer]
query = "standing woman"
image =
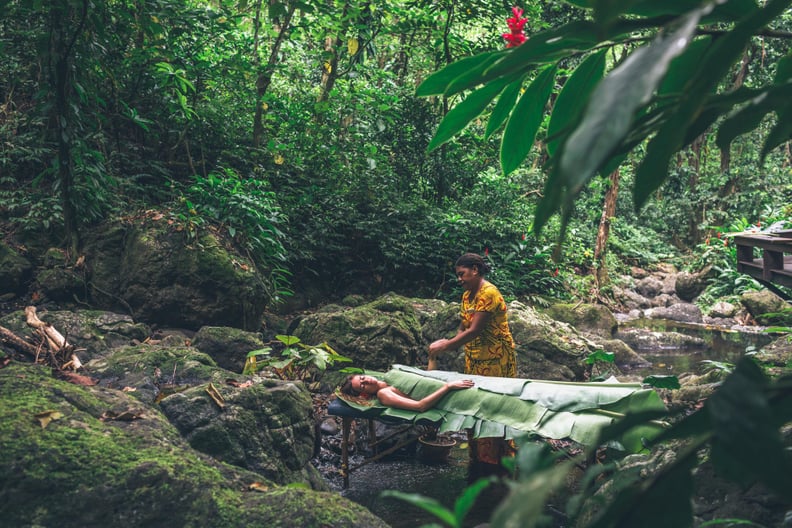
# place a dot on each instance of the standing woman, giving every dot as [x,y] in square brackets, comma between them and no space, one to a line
[489,347]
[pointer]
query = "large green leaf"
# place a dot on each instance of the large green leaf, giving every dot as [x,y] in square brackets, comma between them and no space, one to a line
[749,117]
[467,110]
[503,107]
[616,100]
[518,138]
[782,131]
[437,83]
[683,68]
[747,444]
[508,406]
[719,58]
[638,505]
[570,102]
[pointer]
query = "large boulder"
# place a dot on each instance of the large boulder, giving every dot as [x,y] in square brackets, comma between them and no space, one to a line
[228,346]
[688,286]
[593,318]
[762,302]
[93,456]
[15,271]
[267,427]
[547,349]
[155,274]
[374,335]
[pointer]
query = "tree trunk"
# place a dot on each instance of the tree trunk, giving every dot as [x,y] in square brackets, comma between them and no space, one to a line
[264,78]
[62,52]
[608,212]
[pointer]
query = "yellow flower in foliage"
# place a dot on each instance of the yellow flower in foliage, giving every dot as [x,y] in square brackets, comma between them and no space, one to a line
[278,159]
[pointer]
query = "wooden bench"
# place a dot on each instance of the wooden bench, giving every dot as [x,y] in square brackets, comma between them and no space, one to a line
[775,265]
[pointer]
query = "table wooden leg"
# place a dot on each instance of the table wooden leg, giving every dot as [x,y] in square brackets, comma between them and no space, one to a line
[346,425]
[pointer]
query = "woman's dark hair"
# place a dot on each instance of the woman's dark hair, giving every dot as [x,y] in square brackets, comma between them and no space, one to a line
[346,387]
[473,261]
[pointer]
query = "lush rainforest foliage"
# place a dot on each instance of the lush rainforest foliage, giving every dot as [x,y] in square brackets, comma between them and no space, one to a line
[301,128]
[358,146]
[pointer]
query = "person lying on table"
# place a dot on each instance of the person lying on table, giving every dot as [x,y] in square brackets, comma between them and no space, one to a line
[367,387]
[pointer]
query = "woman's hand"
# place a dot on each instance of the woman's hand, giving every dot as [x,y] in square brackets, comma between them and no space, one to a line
[460,384]
[441,345]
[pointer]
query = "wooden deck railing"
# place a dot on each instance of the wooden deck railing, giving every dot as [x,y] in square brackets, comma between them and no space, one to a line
[775,265]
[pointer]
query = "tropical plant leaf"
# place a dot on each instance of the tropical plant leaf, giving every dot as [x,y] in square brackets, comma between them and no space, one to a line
[467,499]
[425,503]
[438,82]
[503,107]
[747,444]
[719,58]
[749,117]
[638,504]
[465,111]
[662,382]
[616,100]
[570,102]
[524,506]
[780,133]
[520,132]
[683,68]
[546,47]
[288,340]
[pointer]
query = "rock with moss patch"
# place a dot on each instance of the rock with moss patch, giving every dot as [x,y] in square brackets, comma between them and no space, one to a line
[374,335]
[150,270]
[228,346]
[73,465]
[15,271]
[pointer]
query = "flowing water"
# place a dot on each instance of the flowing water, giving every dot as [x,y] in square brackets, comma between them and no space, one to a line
[445,481]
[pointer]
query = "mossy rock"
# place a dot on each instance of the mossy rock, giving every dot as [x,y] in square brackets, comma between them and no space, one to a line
[156,274]
[593,318]
[78,469]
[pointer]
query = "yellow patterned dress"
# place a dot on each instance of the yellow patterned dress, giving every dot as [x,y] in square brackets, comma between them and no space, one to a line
[492,353]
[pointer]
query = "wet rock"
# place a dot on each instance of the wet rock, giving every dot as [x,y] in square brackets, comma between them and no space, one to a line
[723,309]
[592,318]
[762,302]
[645,339]
[688,286]
[681,312]
[650,286]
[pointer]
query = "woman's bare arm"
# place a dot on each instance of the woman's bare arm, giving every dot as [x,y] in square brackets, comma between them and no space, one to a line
[465,335]
[392,397]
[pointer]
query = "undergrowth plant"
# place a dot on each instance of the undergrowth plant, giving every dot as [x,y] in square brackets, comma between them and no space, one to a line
[295,360]
[249,213]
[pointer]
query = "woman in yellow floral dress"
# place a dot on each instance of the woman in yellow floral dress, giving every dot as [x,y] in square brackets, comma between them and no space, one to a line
[489,347]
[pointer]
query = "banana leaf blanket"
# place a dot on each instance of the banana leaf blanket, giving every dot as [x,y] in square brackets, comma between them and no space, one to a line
[511,407]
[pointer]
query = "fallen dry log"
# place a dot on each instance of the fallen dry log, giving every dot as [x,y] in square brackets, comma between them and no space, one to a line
[60,351]
[20,345]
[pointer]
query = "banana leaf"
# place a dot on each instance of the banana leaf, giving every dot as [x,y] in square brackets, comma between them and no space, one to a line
[510,407]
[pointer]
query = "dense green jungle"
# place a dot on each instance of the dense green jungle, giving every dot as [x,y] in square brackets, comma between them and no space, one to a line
[358,147]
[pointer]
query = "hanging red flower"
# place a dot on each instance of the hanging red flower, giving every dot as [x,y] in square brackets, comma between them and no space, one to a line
[516,24]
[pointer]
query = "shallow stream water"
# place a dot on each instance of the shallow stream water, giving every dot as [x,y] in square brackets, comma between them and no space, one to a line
[445,481]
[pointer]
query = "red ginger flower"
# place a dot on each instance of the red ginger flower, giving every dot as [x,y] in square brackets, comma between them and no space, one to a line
[516,24]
